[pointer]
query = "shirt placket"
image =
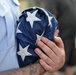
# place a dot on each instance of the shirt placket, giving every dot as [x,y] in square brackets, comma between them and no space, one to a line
[10,28]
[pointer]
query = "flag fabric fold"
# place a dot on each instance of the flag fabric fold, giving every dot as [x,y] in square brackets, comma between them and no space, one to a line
[32,25]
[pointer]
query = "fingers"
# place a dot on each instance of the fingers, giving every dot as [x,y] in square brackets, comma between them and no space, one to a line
[47,50]
[52,55]
[56,50]
[56,32]
[49,69]
[47,62]
[58,41]
[43,56]
[45,66]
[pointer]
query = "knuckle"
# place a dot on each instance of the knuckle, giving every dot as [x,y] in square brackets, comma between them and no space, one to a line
[47,41]
[47,60]
[63,54]
[53,70]
[49,51]
[60,38]
[54,67]
[40,53]
[52,56]
[62,57]
[58,62]
[53,45]
[42,45]
[48,69]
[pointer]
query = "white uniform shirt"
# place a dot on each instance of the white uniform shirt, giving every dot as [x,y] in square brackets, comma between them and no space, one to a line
[9,13]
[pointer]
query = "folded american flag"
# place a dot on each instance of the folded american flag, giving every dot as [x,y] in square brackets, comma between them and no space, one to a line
[33,24]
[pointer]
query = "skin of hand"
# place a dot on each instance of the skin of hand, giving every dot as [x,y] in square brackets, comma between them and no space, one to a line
[53,57]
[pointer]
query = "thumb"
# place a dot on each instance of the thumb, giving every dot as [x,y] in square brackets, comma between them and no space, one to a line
[58,41]
[56,32]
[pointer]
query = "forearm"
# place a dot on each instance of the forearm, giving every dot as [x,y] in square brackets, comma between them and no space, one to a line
[34,69]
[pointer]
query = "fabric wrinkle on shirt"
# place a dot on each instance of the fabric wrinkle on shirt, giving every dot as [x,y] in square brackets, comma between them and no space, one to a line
[8,17]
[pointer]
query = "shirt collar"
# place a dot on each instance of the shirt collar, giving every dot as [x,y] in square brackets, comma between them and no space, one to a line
[4,7]
[16,2]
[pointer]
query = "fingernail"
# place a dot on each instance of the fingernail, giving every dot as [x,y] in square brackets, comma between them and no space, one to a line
[43,38]
[36,50]
[55,36]
[37,41]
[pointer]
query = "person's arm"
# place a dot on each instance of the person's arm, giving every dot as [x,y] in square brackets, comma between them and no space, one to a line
[34,69]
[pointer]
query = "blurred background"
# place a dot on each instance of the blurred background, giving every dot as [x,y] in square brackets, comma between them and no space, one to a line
[65,13]
[30,3]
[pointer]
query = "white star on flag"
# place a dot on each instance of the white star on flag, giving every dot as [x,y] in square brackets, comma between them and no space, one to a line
[23,52]
[50,24]
[39,36]
[18,30]
[31,17]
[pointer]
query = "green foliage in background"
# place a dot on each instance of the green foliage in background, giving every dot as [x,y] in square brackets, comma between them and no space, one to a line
[39,3]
